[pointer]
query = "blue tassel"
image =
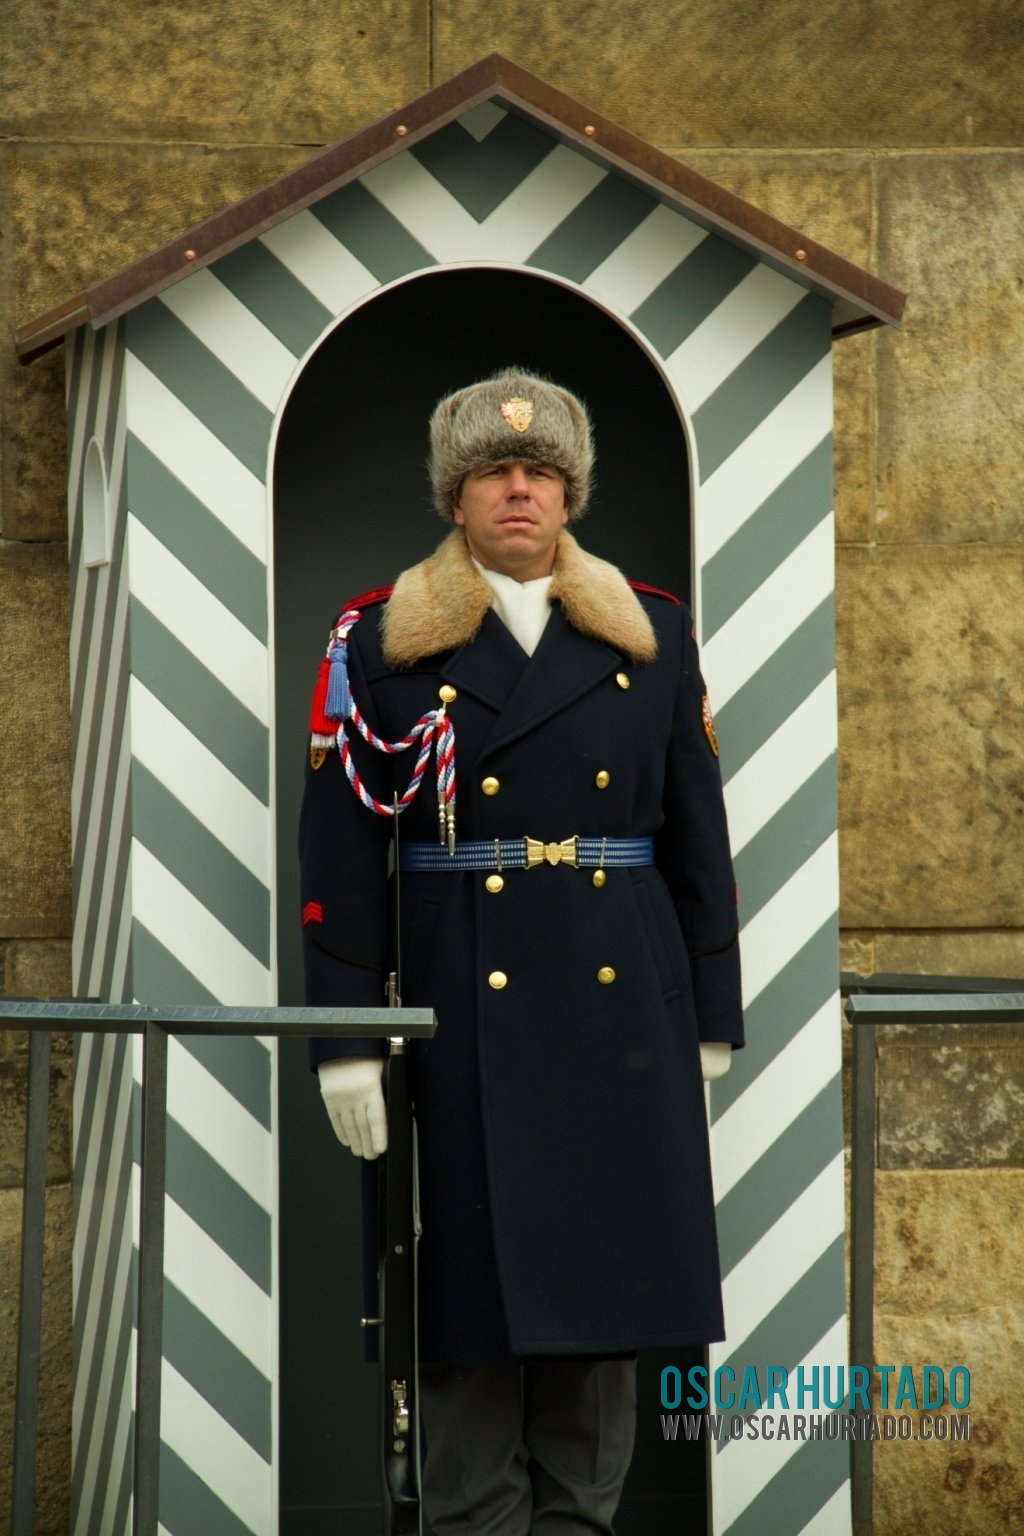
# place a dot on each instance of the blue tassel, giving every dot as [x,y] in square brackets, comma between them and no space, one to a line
[339,699]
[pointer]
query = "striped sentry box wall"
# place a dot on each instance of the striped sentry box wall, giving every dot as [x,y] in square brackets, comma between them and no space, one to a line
[172,415]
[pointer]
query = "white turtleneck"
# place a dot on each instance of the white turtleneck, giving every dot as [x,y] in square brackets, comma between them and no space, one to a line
[522,606]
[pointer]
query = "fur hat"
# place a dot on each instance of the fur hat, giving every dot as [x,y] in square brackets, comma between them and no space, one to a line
[514,415]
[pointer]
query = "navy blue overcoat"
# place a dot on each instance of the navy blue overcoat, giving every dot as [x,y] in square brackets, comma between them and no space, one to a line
[565,1179]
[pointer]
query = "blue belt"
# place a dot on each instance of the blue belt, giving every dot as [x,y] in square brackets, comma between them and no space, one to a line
[527,853]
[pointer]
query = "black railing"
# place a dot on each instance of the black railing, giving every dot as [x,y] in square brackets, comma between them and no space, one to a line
[931,1000]
[155,1025]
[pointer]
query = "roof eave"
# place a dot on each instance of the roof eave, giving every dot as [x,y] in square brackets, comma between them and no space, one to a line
[860,300]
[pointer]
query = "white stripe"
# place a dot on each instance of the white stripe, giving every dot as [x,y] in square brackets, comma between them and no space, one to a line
[771,614]
[119,989]
[99,1350]
[319,261]
[745,1466]
[785,761]
[222,1292]
[201,782]
[235,336]
[765,458]
[196,457]
[81,426]
[180,922]
[756,1285]
[221,1126]
[642,261]
[774,1099]
[218,1456]
[784,925]
[516,227]
[482,120]
[194,616]
[99,848]
[731,332]
[834,1518]
[108,912]
[85,1045]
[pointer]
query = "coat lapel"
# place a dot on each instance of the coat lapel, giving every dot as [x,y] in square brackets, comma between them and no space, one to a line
[564,666]
[490,667]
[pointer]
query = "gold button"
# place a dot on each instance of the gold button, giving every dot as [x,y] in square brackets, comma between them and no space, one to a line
[606,975]
[498,979]
[603,779]
[490,786]
[599,877]
[622,679]
[447,694]
[494,884]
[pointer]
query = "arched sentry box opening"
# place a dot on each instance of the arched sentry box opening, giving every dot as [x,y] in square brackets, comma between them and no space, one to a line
[351,508]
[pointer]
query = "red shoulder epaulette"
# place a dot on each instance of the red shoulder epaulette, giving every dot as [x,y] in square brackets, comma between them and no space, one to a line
[643,586]
[367,599]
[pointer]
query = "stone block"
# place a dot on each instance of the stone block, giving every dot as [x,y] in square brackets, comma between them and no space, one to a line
[948,1258]
[35,788]
[37,969]
[951,1096]
[13,1099]
[830,199]
[256,72]
[931,775]
[951,387]
[53,1464]
[795,73]
[996,954]
[70,215]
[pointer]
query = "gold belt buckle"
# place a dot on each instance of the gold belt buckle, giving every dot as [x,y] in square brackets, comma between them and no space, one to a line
[550,853]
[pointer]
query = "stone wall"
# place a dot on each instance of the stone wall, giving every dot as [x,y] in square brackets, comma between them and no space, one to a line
[893,133]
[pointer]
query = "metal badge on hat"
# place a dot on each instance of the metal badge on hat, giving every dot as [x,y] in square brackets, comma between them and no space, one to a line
[518,413]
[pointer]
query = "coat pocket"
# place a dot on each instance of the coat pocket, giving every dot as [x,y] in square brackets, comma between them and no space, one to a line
[664,936]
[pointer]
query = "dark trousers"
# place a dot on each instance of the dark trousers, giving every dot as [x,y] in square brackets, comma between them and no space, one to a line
[539,1449]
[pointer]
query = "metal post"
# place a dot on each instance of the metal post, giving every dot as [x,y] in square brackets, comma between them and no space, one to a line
[30,1309]
[149,1348]
[862,1249]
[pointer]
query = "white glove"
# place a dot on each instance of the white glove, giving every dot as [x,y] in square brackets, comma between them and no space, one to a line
[715,1058]
[351,1089]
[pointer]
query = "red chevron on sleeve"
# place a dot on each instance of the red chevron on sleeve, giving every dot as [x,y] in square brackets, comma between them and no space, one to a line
[312,912]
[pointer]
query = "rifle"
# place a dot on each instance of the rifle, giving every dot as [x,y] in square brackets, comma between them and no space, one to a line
[397,1338]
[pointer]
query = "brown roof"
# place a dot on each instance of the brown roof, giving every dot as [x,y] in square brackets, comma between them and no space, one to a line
[859,300]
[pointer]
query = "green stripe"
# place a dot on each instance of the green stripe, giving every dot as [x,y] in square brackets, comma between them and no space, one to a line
[239,1063]
[197,538]
[124,849]
[807,1312]
[594,229]
[779,1012]
[98,793]
[200,701]
[197,858]
[774,531]
[815,1471]
[766,700]
[112,1168]
[780,1176]
[798,829]
[373,235]
[202,383]
[226,1213]
[689,294]
[267,288]
[159,976]
[91,580]
[116,1334]
[481,175]
[765,377]
[187,1505]
[218,1371]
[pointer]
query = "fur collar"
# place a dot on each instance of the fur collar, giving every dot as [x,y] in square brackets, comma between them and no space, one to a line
[440,604]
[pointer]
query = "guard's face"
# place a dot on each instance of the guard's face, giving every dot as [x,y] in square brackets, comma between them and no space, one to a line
[512,514]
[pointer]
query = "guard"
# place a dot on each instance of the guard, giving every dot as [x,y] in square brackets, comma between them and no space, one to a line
[567,908]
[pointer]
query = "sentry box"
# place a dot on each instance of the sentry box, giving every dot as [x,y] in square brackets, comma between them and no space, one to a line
[247,412]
